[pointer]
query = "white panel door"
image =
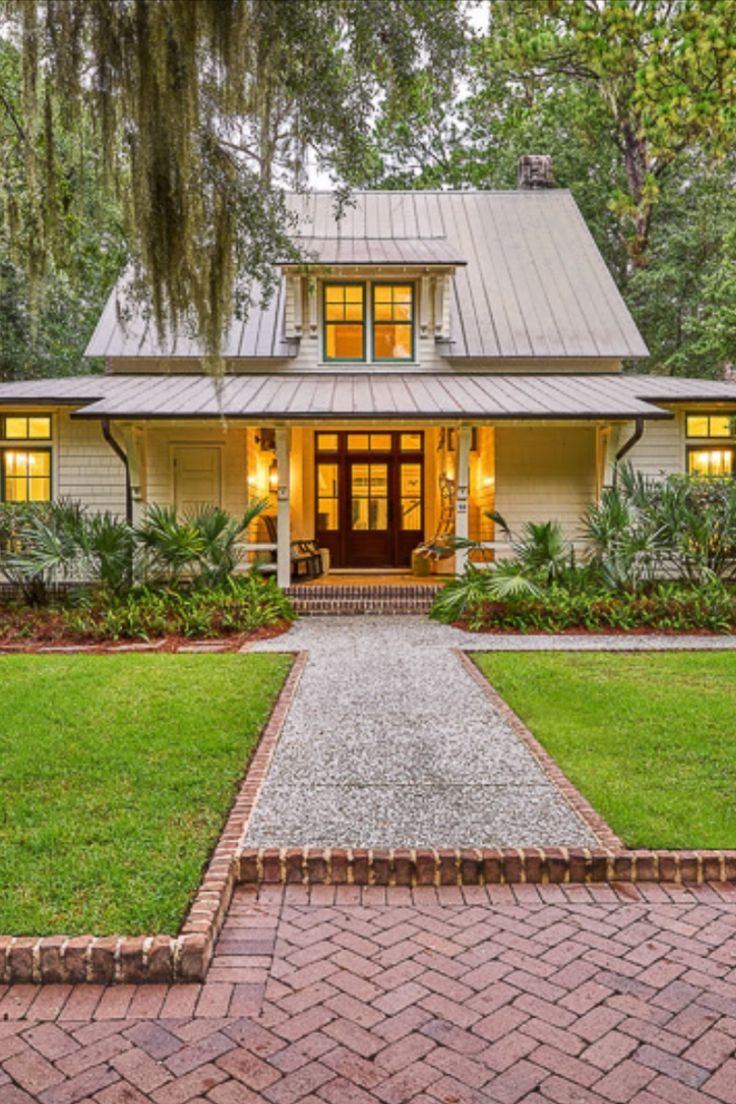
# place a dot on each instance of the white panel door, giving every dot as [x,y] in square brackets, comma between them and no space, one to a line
[197,477]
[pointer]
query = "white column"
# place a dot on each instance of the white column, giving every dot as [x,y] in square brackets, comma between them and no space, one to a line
[283,515]
[462,486]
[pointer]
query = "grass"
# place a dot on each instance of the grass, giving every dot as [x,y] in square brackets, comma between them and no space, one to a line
[116,774]
[650,740]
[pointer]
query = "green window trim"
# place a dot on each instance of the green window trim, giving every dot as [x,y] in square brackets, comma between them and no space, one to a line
[46,478]
[411,322]
[326,286]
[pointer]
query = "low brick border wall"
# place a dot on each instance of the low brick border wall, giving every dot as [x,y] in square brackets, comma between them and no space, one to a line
[484,866]
[316,599]
[159,958]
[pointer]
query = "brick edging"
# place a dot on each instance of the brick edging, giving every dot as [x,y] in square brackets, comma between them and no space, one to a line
[424,866]
[158,958]
[602,831]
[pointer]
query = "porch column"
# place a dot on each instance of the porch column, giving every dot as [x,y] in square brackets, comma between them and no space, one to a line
[462,484]
[283,509]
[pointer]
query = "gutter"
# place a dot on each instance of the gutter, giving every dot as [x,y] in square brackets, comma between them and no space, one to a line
[120,453]
[635,437]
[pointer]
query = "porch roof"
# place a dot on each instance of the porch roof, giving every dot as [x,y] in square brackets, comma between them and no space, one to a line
[380,250]
[408,396]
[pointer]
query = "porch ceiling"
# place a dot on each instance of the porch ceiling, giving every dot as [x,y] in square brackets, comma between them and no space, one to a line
[408,396]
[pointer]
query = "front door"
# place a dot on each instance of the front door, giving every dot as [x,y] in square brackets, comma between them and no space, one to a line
[197,477]
[369,494]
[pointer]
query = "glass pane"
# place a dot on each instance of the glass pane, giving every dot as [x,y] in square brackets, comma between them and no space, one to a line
[334,312]
[327,442]
[392,341]
[411,513]
[16,490]
[16,463]
[402,293]
[697,425]
[40,490]
[379,480]
[411,479]
[411,442]
[358,442]
[359,513]
[380,442]
[344,341]
[360,481]
[334,293]
[354,293]
[327,480]
[39,428]
[354,312]
[382,312]
[16,428]
[720,425]
[327,513]
[378,516]
[39,463]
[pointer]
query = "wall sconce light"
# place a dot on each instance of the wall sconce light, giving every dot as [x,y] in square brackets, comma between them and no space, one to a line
[273,476]
[488,480]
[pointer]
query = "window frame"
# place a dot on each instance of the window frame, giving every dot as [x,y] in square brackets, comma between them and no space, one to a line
[344,322]
[411,284]
[369,322]
[7,416]
[729,445]
[10,447]
[710,414]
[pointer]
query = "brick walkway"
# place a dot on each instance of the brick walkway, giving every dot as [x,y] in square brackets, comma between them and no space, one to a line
[347,996]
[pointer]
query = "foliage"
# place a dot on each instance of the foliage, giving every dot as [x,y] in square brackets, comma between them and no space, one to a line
[127,766]
[63,541]
[615,723]
[662,555]
[678,526]
[195,109]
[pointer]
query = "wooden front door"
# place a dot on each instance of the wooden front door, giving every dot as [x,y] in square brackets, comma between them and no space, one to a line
[369,497]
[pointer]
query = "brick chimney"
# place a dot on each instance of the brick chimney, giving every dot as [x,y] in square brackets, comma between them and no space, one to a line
[535,171]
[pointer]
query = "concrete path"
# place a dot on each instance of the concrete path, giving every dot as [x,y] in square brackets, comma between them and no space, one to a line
[389,742]
[505,995]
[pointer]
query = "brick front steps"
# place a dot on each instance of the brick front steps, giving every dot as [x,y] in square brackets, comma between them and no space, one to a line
[407,598]
[158,958]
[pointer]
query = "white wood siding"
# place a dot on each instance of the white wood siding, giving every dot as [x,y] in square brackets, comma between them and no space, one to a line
[85,466]
[661,449]
[544,474]
[160,443]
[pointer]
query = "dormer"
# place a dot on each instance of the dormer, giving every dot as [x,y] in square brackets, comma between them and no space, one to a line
[370,300]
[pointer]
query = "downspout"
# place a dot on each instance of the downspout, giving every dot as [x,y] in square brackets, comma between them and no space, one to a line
[635,437]
[120,453]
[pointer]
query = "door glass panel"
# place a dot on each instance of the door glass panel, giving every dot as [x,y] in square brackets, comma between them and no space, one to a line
[369,496]
[411,496]
[327,442]
[358,442]
[327,497]
[380,442]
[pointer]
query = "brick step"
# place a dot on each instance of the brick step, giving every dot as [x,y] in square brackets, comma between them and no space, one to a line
[349,600]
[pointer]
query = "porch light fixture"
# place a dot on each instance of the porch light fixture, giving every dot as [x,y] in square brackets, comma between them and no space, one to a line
[273,476]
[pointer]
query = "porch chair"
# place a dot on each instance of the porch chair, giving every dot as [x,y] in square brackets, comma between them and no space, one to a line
[306,557]
[439,547]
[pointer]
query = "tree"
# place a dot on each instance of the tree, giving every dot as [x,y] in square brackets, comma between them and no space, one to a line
[199,107]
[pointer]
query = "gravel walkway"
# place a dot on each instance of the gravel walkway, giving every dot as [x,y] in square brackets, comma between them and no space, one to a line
[390,743]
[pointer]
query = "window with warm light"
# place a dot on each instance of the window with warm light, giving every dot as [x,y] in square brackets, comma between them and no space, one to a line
[710,425]
[712,461]
[25,475]
[25,427]
[344,321]
[714,455]
[393,321]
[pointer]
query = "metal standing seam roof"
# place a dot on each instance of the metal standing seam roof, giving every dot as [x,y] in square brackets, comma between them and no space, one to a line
[530,281]
[409,396]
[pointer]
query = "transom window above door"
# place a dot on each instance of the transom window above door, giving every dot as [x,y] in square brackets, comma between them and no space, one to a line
[368,321]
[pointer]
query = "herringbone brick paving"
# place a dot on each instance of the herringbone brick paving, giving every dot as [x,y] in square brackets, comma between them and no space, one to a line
[573,995]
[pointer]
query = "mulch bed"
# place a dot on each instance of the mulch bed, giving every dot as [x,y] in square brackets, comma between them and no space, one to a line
[171,643]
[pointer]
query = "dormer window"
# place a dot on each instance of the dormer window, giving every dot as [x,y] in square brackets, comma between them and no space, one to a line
[384,309]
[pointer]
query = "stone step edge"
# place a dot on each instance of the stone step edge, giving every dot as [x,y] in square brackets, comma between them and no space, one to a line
[484,866]
[185,957]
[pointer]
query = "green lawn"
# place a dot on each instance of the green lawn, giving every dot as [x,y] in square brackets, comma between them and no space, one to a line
[650,740]
[116,774]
